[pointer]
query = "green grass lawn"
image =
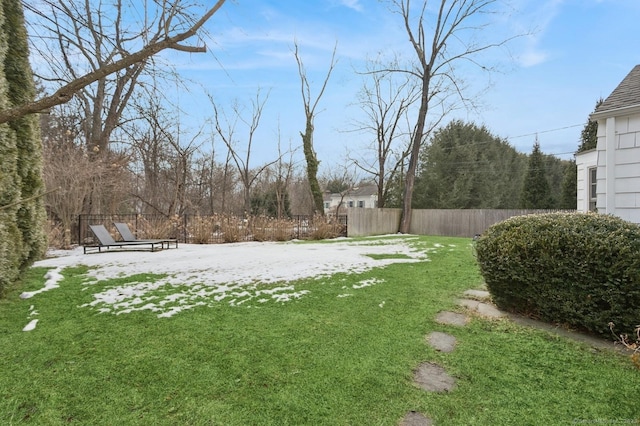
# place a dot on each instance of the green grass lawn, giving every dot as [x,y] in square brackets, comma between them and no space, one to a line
[335,356]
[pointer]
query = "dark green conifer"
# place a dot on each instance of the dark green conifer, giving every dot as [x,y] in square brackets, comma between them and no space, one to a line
[22,214]
[589,134]
[535,190]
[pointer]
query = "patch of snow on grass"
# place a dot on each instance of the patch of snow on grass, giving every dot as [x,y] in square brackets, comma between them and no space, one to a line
[31,325]
[367,283]
[52,276]
[201,275]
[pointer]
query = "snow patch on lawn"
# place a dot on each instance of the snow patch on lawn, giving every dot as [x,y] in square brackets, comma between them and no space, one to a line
[241,274]
[53,277]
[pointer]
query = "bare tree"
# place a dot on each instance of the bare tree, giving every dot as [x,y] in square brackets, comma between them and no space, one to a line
[301,201]
[386,104]
[307,136]
[205,168]
[71,177]
[283,175]
[227,134]
[67,173]
[171,26]
[167,162]
[440,40]
[228,181]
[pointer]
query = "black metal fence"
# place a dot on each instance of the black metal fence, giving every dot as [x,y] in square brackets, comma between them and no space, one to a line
[214,229]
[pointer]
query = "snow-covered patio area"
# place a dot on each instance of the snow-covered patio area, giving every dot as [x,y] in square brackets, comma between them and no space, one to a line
[195,275]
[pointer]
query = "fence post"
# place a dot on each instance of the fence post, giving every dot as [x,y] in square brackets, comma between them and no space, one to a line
[185,222]
[79,229]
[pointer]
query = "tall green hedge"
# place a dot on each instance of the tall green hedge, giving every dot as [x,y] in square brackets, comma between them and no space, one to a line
[578,269]
[22,214]
[31,215]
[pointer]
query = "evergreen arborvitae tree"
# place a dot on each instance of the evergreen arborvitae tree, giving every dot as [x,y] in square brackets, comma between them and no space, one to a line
[555,170]
[393,196]
[589,134]
[266,203]
[466,167]
[536,193]
[9,185]
[22,214]
[337,185]
[569,198]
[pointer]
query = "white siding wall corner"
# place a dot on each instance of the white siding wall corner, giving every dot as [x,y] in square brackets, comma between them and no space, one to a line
[584,162]
[617,158]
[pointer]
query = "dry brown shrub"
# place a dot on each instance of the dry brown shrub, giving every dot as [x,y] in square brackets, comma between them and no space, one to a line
[631,343]
[272,229]
[283,229]
[56,235]
[324,228]
[233,229]
[201,229]
[260,226]
[152,227]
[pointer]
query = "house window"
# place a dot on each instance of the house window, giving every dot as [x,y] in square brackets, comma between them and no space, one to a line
[593,187]
[350,204]
[326,204]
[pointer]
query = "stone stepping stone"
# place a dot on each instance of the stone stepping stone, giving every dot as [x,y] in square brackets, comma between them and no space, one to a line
[480,295]
[483,309]
[452,318]
[414,418]
[433,378]
[442,342]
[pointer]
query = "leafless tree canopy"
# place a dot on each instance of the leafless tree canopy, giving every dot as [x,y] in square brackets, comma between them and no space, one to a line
[443,39]
[386,99]
[168,27]
[127,151]
[226,130]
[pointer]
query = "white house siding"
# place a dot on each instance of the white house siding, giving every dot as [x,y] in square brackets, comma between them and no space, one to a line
[618,186]
[628,131]
[358,200]
[627,171]
[584,162]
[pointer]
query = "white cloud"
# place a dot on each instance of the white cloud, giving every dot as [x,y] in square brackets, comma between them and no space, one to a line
[532,57]
[534,18]
[352,4]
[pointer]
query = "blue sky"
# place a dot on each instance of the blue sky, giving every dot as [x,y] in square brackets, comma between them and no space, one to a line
[547,82]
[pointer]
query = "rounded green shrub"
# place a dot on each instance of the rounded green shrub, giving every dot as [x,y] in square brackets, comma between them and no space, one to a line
[578,269]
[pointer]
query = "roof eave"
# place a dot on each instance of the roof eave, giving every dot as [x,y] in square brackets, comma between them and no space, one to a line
[616,112]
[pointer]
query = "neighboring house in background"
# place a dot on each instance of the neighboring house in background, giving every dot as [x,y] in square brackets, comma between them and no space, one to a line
[609,176]
[363,196]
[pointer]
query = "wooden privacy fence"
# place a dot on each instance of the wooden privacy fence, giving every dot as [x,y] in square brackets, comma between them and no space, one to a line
[442,222]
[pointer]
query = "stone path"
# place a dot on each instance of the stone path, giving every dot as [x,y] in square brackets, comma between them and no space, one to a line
[433,378]
[415,419]
[430,376]
[442,342]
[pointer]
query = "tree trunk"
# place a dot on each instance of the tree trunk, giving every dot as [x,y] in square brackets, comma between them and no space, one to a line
[312,168]
[410,178]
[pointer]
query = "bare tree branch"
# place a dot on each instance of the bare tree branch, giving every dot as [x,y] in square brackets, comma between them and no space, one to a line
[439,45]
[65,93]
[307,135]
